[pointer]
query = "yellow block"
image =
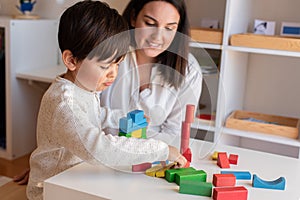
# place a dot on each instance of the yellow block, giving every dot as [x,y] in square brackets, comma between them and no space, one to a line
[137,133]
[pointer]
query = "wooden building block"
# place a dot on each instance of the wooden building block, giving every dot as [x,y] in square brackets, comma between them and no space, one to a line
[189,113]
[162,172]
[277,184]
[223,161]
[207,35]
[195,188]
[239,175]
[141,167]
[188,155]
[152,171]
[233,159]
[136,133]
[197,175]
[170,174]
[220,180]
[230,193]
[215,156]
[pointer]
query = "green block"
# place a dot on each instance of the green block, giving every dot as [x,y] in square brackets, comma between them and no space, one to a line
[170,173]
[144,133]
[125,134]
[195,188]
[198,175]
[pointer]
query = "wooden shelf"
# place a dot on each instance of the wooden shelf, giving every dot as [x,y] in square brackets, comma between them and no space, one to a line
[265,42]
[206,35]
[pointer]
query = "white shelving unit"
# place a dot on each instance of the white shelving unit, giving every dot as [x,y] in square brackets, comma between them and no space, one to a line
[30,45]
[254,79]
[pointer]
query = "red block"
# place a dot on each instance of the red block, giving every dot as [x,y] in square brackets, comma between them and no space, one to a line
[230,193]
[233,159]
[188,155]
[187,165]
[189,113]
[141,167]
[220,180]
[223,161]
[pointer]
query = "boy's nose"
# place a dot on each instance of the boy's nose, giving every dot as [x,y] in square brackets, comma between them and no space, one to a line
[114,71]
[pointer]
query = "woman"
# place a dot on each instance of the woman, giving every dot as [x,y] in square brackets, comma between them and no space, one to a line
[158,74]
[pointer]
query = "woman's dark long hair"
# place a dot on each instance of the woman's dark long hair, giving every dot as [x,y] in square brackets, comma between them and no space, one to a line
[177,53]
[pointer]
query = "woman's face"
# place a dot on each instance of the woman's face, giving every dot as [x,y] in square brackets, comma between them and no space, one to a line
[155,27]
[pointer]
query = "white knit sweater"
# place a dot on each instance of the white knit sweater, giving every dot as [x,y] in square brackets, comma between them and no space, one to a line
[69,131]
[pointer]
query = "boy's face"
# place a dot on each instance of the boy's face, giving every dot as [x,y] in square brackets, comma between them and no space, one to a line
[94,75]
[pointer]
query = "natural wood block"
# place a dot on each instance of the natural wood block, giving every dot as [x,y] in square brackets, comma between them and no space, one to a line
[207,35]
[285,126]
[265,42]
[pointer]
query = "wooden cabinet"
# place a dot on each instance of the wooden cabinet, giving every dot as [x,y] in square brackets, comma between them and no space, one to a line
[260,79]
[25,45]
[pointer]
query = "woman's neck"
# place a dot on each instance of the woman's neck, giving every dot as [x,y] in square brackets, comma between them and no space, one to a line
[142,59]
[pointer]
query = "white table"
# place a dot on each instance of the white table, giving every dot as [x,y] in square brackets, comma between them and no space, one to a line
[99,182]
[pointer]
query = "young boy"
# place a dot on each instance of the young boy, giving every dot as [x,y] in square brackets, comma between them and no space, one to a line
[93,39]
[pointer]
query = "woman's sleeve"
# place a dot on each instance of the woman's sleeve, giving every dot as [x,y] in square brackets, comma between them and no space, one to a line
[189,93]
[74,130]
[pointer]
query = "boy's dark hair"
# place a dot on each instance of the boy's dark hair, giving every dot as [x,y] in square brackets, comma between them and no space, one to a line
[92,28]
[176,55]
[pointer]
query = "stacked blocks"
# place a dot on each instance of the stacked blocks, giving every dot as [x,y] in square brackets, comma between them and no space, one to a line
[190,181]
[134,125]
[185,133]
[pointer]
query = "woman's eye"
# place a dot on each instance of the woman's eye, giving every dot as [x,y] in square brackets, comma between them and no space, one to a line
[149,24]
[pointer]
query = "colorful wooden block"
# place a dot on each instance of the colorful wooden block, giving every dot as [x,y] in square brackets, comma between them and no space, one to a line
[170,174]
[230,193]
[277,184]
[188,154]
[162,172]
[197,175]
[233,159]
[135,120]
[136,133]
[195,188]
[141,167]
[239,175]
[152,171]
[189,113]
[223,161]
[215,156]
[220,180]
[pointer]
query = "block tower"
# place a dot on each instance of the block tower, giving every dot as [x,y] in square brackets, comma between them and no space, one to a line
[185,133]
[134,125]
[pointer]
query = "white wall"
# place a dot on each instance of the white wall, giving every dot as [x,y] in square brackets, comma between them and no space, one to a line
[51,9]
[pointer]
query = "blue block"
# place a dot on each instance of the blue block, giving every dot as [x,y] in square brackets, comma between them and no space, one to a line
[278,184]
[137,116]
[239,175]
[125,124]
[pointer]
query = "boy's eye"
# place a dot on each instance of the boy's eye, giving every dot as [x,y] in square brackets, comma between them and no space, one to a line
[104,67]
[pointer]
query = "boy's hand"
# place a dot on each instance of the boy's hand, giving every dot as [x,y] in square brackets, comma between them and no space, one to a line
[174,155]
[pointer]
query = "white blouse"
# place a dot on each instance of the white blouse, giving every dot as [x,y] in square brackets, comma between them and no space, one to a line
[69,131]
[163,104]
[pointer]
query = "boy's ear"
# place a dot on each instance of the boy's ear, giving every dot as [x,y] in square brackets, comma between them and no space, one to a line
[69,60]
